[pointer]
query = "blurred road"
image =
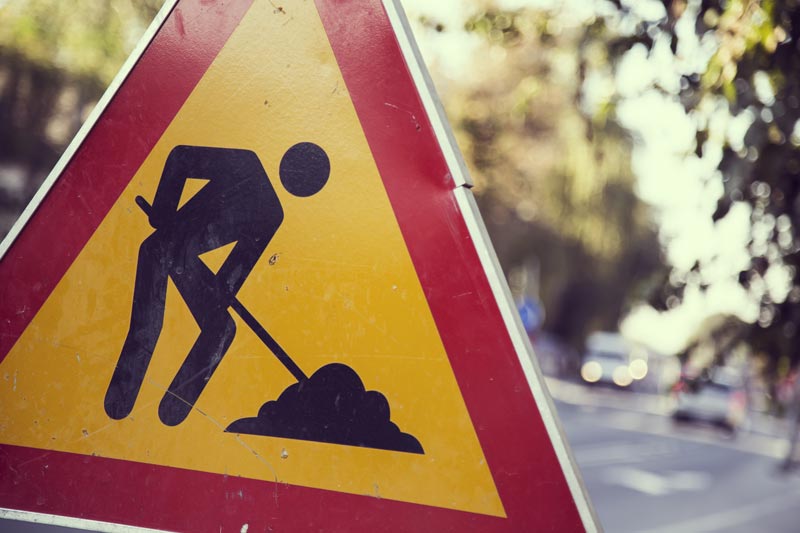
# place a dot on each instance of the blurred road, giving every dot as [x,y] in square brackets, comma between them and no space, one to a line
[646,474]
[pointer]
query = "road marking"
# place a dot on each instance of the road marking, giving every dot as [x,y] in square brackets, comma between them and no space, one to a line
[773,447]
[657,484]
[724,520]
[616,452]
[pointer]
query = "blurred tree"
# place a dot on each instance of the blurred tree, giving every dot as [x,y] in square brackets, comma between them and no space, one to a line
[742,95]
[553,192]
[56,59]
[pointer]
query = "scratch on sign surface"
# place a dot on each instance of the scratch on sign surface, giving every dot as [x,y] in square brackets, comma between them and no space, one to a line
[221,427]
[276,10]
[412,115]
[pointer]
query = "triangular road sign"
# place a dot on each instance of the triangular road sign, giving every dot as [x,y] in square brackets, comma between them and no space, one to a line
[343,356]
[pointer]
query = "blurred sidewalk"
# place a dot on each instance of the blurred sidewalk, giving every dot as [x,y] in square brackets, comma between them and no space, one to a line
[651,413]
[640,402]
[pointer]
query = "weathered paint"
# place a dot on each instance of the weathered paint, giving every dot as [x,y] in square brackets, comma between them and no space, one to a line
[378,270]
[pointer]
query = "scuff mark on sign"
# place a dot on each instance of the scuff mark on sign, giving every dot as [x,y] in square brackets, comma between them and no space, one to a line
[238,438]
[417,125]
[277,9]
[179,23]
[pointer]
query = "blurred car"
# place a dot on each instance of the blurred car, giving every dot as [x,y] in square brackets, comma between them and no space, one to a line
[611,360]
[716,401]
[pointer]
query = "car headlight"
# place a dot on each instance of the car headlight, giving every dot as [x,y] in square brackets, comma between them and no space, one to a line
[622,376]
[638,368]
[591,371]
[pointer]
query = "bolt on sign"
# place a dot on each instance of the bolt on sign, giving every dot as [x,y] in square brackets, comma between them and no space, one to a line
[256,294]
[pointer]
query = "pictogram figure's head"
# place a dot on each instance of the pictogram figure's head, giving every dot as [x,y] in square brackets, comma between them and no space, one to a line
[304,169]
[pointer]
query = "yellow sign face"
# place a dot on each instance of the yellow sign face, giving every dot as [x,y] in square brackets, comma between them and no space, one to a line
[334,285]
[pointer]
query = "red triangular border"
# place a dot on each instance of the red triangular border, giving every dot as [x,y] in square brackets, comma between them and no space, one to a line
[515,442]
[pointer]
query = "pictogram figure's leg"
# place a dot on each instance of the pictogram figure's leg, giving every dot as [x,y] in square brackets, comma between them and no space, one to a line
[207,300]
[197,369]
[147,318]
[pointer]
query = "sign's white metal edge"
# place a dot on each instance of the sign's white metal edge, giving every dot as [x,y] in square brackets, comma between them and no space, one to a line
[30,209]
[491,266]
[87,126]
[68,521]
[524,350]
[427,91]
